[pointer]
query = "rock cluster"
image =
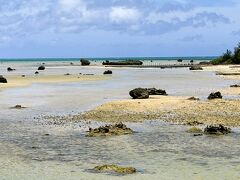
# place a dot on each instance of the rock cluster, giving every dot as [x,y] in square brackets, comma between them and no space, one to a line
[10,69]
[215,95]
[3,79]
[143,93]
[217,130]
[110,130]
[115,169]
[235,85]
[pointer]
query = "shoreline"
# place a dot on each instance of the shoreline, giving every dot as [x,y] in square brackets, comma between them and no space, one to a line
[19,81]
[177,110]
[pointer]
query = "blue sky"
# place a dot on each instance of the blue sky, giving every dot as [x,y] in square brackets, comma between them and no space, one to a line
[110,28]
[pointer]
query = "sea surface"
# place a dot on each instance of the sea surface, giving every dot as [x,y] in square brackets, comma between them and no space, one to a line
[32,147]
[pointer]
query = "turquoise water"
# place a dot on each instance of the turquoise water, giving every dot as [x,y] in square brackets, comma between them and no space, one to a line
[200,58]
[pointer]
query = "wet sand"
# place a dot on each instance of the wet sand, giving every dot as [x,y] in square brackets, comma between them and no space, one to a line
[171,109]
[19,81]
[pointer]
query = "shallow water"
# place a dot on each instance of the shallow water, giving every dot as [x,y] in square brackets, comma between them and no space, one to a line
[30,149]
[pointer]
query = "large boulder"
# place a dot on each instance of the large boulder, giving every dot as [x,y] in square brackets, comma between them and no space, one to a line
[217,130]
[85,62]
[110,130]
[195,68]
[108,72]
[215,95]
[139,93]
[122,63]
[41,68]
[115,169]
[154,91]
[3,79]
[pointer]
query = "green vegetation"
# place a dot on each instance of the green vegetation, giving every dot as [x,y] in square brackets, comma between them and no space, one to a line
[228,57]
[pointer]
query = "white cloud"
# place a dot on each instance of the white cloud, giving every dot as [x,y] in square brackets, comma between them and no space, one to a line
[124,15]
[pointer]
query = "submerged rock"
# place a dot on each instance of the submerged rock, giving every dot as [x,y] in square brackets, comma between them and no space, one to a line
[216,95]
[108,72]
[3,79]
[217,130]
[154,91]
[194,130]
[235,85]
[195,68]
[10,69]
[139,93]
[115,169]
[193,99]
[110,130]
[122,63]
[85,62]
[41,68]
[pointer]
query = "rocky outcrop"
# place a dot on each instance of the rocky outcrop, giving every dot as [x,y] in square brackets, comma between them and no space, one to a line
[85,62]
[110,130]
[10,69]
[217,130]
[115,169]
[108,72]
[139,93]
[195,68]
[41,68]
[235,85]
[216,95]
[154,91]
[122,63]
[3,79]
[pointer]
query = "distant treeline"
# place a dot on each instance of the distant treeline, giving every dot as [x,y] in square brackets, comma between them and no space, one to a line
[229,57]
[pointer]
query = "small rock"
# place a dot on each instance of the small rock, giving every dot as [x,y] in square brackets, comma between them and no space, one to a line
[195,68]
[23,76]
[36,72]
[3,79]
[217,130]
[193,123]
[108,72]
[198,135]
[67,74]
[41,68]
[115,169]
[18,107]
[139,93]
[10,69]
[193,99]
[179,60]
[216,95]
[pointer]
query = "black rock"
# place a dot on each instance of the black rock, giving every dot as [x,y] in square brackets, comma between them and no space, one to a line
[85,62]
[195,68]
[3,79]
[108,72]
[139,93]
[179,60]
[191,61]
[154,91]
[10,69]
[217,130]
[41,68]
[235,85]
[122,63]
[36,72]
[216,95]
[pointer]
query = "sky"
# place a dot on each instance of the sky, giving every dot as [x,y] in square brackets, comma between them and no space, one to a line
[117,28]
